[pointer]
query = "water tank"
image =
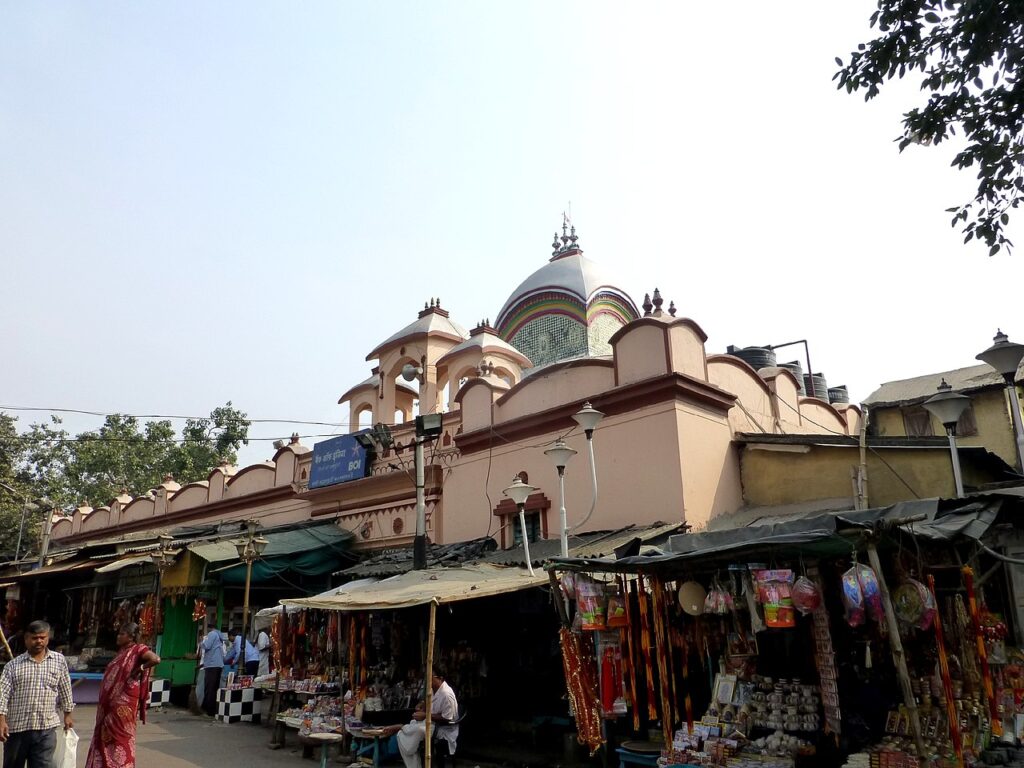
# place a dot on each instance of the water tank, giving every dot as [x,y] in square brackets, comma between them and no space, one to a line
[797,370]
[816,386]
[838,394]
[756,357]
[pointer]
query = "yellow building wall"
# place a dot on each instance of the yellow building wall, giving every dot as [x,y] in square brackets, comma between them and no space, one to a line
[991,415]
[775,477]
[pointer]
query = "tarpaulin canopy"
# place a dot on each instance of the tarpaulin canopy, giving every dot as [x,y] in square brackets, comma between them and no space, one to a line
[124,562]
[264,618]
[437,585]
[813,532]
[311,551]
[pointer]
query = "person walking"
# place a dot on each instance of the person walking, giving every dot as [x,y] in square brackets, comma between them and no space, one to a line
[213,666]
[35,694]
[124,696]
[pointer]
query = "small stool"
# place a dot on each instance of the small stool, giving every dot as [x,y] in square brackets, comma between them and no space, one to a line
[325,740]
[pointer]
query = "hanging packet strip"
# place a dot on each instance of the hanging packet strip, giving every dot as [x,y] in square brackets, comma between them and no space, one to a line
[775,594]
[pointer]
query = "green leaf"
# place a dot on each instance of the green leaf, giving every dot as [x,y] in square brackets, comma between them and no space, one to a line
[993,250]
[932,18]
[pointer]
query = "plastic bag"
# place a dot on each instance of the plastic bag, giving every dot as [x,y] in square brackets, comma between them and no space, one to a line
[775,594]
[853,598]
[70,758]
[872,592]
[913,604]
[806,596]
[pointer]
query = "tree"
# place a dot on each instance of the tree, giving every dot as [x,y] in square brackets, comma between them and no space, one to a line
[970,54]
[95,466]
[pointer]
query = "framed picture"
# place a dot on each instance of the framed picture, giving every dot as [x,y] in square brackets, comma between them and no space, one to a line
[725,688]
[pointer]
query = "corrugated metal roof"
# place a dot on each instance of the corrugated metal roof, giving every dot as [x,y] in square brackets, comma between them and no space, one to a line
[907,391]
[596,544]
[399,561]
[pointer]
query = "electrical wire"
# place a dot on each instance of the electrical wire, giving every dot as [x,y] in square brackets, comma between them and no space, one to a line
[165,416]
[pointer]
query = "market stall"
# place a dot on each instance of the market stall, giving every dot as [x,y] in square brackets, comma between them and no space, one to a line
[384,656]
[864,637]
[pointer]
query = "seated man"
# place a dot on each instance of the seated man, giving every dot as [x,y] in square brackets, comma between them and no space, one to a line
[444,708]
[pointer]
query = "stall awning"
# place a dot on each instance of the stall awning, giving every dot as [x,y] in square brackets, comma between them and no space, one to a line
[814,532]
[264,618]
[54,569]
[311,551]
[124,562]
[438,585]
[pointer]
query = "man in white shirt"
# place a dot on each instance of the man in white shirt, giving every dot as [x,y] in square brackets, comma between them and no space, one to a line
[263,646]
[35,694]
[444,709]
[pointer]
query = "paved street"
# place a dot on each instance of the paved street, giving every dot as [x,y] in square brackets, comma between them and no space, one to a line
[176,739]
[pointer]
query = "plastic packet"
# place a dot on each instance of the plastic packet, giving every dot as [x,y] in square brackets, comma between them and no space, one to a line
[806,596]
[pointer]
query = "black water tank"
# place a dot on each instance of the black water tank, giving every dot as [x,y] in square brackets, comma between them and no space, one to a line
[756,357]
[797,370]
[838,394]
[816,386]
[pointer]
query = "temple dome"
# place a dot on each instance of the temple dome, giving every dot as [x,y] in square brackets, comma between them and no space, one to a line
[568,308]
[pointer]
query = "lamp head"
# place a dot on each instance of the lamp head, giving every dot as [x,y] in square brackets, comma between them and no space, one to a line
[250,526]
[560,453]
[588,418]
[165,540]
[429,425]
[259,544]
[947,406]
[1003,355]
[241,547]
[519,491]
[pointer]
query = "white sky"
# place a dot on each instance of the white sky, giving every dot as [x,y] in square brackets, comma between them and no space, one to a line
[213,201]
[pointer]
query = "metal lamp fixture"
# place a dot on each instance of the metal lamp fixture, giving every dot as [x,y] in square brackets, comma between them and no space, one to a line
[1005,357]
[249,549]
[163,559]
[519,492]
[948,406]
[561,453]
[587,417]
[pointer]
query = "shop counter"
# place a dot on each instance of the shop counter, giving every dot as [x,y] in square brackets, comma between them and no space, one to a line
[85,687]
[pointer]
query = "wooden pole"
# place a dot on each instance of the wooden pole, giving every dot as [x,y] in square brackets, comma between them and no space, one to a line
[3,638]
[427,673]
[896,646]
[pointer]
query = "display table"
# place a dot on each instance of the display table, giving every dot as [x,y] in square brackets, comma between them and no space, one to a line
[86,687]
[239,705]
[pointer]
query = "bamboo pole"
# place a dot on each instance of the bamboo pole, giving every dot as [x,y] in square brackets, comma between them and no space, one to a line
[427,674]
[896,647]
[3,638]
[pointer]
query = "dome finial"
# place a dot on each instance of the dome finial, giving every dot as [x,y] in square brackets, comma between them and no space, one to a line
[672,308]
[658,301]
[554,245]
[647,305]
[572,236]
[565,230]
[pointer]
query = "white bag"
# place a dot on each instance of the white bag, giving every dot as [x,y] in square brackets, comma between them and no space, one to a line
[70,749]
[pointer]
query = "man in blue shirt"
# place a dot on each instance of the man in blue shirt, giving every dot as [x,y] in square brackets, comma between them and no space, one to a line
[252,654]
[213,665]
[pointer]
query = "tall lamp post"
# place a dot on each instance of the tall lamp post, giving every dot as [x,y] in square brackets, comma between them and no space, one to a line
[588,418]
[560,453]
[519,492]
[163,558]
[947,406]
[26,505]
[428,426]
[249,550]
[1005,357]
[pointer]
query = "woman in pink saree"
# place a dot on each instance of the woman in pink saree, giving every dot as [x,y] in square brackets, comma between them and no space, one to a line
[124,694]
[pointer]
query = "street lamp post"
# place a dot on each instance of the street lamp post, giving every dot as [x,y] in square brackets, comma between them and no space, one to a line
[519,492]
[588,418]
[1005,357]
[428,426]
[560,453]
[163,558]
[947,406]
[249,550]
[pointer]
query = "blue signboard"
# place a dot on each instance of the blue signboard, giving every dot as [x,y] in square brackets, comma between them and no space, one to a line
[338,460]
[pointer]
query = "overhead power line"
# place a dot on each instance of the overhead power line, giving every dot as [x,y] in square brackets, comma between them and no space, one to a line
[164,416]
